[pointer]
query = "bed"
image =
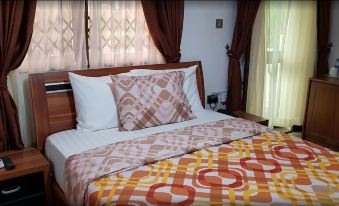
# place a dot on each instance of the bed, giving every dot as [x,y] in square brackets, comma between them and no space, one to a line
[227,160]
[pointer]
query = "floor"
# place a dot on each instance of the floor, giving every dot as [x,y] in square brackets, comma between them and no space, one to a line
[287,130]
[296,134]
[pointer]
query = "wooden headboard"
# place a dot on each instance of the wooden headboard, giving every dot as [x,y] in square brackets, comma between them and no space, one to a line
[53,103]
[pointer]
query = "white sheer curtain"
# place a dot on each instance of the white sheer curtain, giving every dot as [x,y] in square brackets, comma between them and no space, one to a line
[118,35]
[58,43]
[58,40]
[283,52]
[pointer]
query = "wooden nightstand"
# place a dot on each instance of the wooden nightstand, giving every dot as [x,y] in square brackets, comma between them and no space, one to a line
[245,115]
[251,117]
[28,183]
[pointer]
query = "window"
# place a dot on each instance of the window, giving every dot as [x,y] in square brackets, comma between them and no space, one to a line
[283,49]
[117,36]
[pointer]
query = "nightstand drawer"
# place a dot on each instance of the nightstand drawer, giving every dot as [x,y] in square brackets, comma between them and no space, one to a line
[36,200]
[28,186]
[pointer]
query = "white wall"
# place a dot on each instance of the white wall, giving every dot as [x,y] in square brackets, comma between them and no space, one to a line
[202,41]
[334,35]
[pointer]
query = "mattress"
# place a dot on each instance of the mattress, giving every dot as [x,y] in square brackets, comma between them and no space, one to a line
[61,145]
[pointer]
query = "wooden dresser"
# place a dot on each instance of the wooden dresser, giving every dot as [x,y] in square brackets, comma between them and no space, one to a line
[321,123]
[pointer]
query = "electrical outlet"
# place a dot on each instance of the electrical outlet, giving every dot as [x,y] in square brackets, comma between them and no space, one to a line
[221,95]
[223,98]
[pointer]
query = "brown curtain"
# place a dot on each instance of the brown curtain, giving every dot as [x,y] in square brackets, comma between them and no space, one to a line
[16,27]
[165,21]
[246,12]
[323,30]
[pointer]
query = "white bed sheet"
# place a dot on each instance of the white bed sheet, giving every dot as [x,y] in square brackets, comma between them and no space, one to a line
[61,145]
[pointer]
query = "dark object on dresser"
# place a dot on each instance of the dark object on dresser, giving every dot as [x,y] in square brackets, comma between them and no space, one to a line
[28,183]
[321,122]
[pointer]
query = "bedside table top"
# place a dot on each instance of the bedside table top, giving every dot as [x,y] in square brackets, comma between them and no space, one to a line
[26,161]
[251,117]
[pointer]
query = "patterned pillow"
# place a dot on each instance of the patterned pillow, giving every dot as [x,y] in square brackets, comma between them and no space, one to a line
[151,100]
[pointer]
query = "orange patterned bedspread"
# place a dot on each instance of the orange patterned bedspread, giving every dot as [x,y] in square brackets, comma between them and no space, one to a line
[267,169]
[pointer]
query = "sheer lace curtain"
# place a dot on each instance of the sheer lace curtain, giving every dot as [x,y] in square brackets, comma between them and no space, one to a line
[283,52]
[57,43]
[118,36]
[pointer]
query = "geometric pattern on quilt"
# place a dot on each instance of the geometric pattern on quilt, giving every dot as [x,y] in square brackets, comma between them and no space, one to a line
[86,167]
[267,169]
[151,100]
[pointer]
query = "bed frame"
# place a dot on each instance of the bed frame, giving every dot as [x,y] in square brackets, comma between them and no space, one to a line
[53,103]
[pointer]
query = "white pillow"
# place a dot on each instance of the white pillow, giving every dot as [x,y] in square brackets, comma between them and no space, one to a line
[94,103]
[190,84]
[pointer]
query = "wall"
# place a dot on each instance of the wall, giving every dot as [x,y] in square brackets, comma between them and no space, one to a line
[334,35]
[202,41]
